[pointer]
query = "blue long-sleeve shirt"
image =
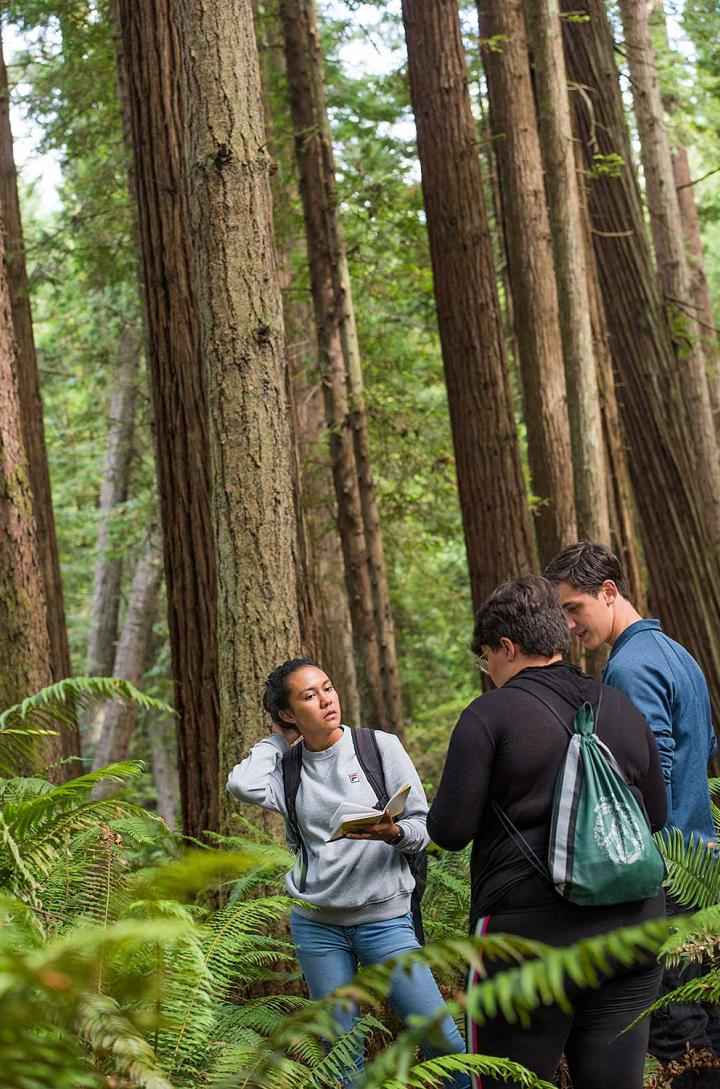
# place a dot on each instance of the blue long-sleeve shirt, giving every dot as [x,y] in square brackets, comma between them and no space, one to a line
[668,686]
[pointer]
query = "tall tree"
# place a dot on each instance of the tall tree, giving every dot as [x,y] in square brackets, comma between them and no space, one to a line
[340,361]
[555,127]
[153,53]
[323,589]
[327,562]
[624,534]
[699,285]
[32,411]
[669,243]
[113,492]
[532,278]
[496,519]
[685,189]
[683,564]
[24,640]
[241,328]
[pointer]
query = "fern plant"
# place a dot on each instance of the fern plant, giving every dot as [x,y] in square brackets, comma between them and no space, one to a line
[113,968]
[55,708]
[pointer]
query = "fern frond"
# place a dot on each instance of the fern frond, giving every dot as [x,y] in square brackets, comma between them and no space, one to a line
[434,1073]
[101,1024]
[693,869]
[60,702]
[699,929]
[196,871]
[55,708]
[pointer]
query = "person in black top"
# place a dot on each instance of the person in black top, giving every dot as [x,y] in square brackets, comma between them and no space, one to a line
[507,747]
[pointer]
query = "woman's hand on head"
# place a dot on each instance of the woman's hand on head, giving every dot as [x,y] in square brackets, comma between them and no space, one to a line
[385,829]
[289,732]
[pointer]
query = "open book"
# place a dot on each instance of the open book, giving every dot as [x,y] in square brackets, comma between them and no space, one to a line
[351,817]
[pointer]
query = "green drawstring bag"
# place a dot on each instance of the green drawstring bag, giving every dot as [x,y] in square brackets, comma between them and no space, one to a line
[601,849]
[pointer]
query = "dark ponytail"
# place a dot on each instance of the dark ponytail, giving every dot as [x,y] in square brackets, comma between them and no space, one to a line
[276,697]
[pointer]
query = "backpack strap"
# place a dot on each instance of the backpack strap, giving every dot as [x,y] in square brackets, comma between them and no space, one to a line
[532,691]
[370,760]
[291,770]
[519,840]
[510,829]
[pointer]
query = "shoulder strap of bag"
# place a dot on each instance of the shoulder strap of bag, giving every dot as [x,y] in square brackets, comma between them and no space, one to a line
[291,769]
[367,751]
[532,691]
[515,834]
[519,839]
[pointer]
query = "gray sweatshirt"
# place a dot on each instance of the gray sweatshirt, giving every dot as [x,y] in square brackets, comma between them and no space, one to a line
[348,881]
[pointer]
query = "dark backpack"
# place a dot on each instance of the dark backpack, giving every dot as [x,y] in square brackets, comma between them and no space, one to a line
[370,760]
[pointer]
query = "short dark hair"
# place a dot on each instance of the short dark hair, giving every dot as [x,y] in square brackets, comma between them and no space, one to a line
[528,612]
[276,697]
[586,565]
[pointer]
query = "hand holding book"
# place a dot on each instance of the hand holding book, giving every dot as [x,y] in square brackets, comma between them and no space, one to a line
[352,821]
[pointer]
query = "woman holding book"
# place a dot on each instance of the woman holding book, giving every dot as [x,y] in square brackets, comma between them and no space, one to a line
[358,888]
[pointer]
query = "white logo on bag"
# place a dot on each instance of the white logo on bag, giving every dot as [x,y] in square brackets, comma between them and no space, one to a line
[616,832]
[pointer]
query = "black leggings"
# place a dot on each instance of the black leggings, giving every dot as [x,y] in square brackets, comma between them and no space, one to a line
[590,1032]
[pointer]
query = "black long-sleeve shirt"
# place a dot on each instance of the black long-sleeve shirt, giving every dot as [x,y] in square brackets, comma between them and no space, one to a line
[507,747]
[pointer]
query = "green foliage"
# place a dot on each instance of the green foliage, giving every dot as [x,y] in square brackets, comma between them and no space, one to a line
[606,166]
[693,869]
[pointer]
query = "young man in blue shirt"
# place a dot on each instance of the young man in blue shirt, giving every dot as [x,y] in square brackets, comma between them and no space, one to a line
[668,686]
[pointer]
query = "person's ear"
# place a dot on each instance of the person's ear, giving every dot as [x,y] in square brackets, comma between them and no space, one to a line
[609,591]
[509,647]
[288,716]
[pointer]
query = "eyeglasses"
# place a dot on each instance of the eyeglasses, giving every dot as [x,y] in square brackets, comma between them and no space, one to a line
[482,665]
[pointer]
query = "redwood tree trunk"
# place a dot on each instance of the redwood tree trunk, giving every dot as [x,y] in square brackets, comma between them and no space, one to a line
[555,127]
[323,597]
[32,416]
[496,519]
[672,265]
[113,492]
[340,362]
[327,563]
[532,274]
[118,720]
[24,641]
[243,350]
[624,536]
[152,48]
[699,286]
[683,564]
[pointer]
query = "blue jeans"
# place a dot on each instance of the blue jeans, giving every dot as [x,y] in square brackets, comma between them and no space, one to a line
[330,955]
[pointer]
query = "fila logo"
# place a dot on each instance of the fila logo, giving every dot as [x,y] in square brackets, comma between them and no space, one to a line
[354,777]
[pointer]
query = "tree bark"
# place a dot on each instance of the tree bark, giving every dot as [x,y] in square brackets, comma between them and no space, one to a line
[700,292]
[325,611]
[24,640]
[683,565]
[118,721]
[152,48]
[341,365]
[241,330]
[327,565]
[672,265]
[113,492]
[532,276]
[556,139]
[624,536]
[496,519]
[32,416]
